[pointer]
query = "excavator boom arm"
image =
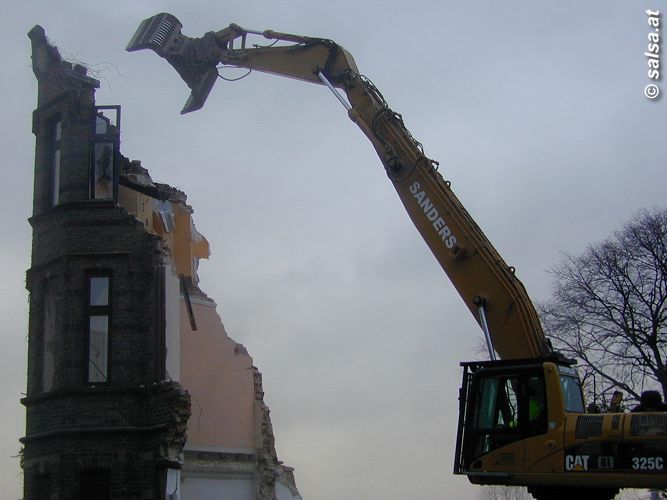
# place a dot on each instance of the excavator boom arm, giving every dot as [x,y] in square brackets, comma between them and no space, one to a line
[487,285]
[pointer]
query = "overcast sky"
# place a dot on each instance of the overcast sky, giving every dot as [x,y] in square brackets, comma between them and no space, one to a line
[535,110]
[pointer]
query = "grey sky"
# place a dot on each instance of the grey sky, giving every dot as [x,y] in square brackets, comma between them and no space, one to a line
[535,111]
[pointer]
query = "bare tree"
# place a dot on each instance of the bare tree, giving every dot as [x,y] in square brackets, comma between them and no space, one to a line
[609,308]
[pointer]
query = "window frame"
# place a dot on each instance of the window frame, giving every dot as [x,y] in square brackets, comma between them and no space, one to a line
[110,136]
[55,133]
[573,397]
[482,440]
[97,310]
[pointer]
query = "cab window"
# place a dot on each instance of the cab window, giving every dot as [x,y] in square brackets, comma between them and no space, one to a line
[497,404]
[506,408]
[496,419]
[574,401]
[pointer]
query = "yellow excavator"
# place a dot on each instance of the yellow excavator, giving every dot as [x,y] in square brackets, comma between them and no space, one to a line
[522,418]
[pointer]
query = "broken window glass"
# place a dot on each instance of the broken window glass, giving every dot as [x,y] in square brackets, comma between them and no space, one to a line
[104,168]
[103,171]
[101,124]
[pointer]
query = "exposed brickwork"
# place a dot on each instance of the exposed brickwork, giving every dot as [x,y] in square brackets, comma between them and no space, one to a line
[68,245]
[268,466]
[65,93]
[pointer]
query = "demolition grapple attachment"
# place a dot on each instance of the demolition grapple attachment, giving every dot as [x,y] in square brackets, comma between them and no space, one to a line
[195,59]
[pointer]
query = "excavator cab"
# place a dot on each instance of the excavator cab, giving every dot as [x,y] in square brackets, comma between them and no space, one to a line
[503,404]
[523,422]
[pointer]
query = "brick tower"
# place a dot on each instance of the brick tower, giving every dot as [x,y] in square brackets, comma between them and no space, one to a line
[103,418]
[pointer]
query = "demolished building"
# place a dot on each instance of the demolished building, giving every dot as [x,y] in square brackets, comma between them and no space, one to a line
[134,388]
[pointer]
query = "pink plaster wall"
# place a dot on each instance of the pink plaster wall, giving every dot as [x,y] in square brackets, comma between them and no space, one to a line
[220,382]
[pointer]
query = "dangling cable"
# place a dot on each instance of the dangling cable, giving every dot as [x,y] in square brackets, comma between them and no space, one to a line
[231,79]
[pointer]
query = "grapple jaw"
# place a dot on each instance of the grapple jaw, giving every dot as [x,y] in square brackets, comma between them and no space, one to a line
[155,33]
[194,58]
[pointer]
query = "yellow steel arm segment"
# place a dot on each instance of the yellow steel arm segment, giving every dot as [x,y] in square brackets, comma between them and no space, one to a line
[478,272]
